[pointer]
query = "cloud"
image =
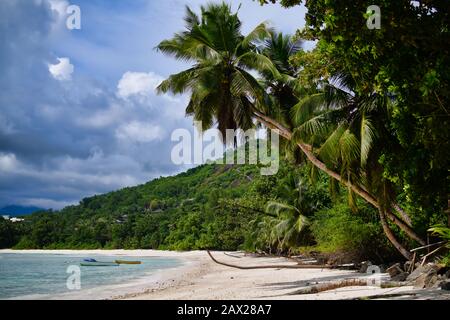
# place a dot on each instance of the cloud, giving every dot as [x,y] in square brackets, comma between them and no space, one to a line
[138,84]
[61,71]
[8,162]
[47,203]
[62,141]
[105,129]
[66,180]
[100,119]
[139,132]
[60,6]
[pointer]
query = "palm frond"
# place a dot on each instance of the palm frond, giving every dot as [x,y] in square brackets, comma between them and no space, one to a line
[311,129]
[278,207]
[301,222]
[335,96]
[349,147]
[256,61]
[261,32]
[330,149]
[244,83]
[307,107]
[191,18]
[178,83]
[368,136]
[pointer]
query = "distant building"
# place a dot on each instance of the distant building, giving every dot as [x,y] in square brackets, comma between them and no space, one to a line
[14,220]
[5,217]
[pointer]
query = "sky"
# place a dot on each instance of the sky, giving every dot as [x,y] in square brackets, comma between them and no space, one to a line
[79,115]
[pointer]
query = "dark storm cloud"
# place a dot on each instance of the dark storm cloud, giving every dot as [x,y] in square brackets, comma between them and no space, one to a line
[94,124]
[64,140]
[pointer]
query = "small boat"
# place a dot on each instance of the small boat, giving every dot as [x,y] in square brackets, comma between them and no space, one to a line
[98,264]
[127,262]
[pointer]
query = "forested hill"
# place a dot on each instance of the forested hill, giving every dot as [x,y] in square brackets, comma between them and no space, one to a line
[178,212]
[213,206]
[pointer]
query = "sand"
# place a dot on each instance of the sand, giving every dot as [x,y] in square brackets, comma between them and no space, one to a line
[199,278]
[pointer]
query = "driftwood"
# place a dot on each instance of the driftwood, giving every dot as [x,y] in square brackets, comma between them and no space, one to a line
[230,255]
[395,284]
[413,262]
[430,254]
[428,246]
[385,296]
[327,286]
[298,266]
[330,286]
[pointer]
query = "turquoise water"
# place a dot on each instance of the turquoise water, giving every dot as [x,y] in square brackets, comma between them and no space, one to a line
[37,276]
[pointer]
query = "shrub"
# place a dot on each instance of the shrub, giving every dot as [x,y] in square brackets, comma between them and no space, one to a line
[338,229]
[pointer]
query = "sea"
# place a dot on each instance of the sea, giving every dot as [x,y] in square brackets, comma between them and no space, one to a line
[44,276]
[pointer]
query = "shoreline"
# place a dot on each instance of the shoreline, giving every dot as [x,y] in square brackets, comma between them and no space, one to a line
[132,288]
[199,278]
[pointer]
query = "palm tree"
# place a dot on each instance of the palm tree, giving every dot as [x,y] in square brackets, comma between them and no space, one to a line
[223,92]
[289,214]
[349,135]
[283,91]
[341,125]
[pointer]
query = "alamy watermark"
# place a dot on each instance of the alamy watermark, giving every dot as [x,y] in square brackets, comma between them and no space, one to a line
[73,20]
[374,17]
[201,147]
[374,276]
[74,280]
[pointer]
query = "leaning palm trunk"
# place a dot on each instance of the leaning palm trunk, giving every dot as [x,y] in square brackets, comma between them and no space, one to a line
[402,212]
[221,87]
[307,150]
[406,253]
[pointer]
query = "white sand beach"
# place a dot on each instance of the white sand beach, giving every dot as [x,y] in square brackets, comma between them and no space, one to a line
[199,278]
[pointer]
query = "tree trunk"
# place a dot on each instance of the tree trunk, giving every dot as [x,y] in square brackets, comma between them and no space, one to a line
[448,213]
[404,227]
[390,235]
[307,150]
[402,212]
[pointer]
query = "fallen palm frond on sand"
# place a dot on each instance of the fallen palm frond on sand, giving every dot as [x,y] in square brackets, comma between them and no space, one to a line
[275,266]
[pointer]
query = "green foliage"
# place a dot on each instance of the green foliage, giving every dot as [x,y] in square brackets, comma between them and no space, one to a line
[444,233]
[194,210]
[371,104]
[339,229]
[441,231]
[209,207]
[407,60]
[9,233]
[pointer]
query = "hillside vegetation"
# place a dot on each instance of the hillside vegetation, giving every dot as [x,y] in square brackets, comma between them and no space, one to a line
[364,113]
[221,207]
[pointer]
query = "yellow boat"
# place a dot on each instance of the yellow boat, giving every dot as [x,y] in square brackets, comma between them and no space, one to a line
[127,262]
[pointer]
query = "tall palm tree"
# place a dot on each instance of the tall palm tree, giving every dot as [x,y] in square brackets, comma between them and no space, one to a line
[349,135]
[223,91]
[283,91]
